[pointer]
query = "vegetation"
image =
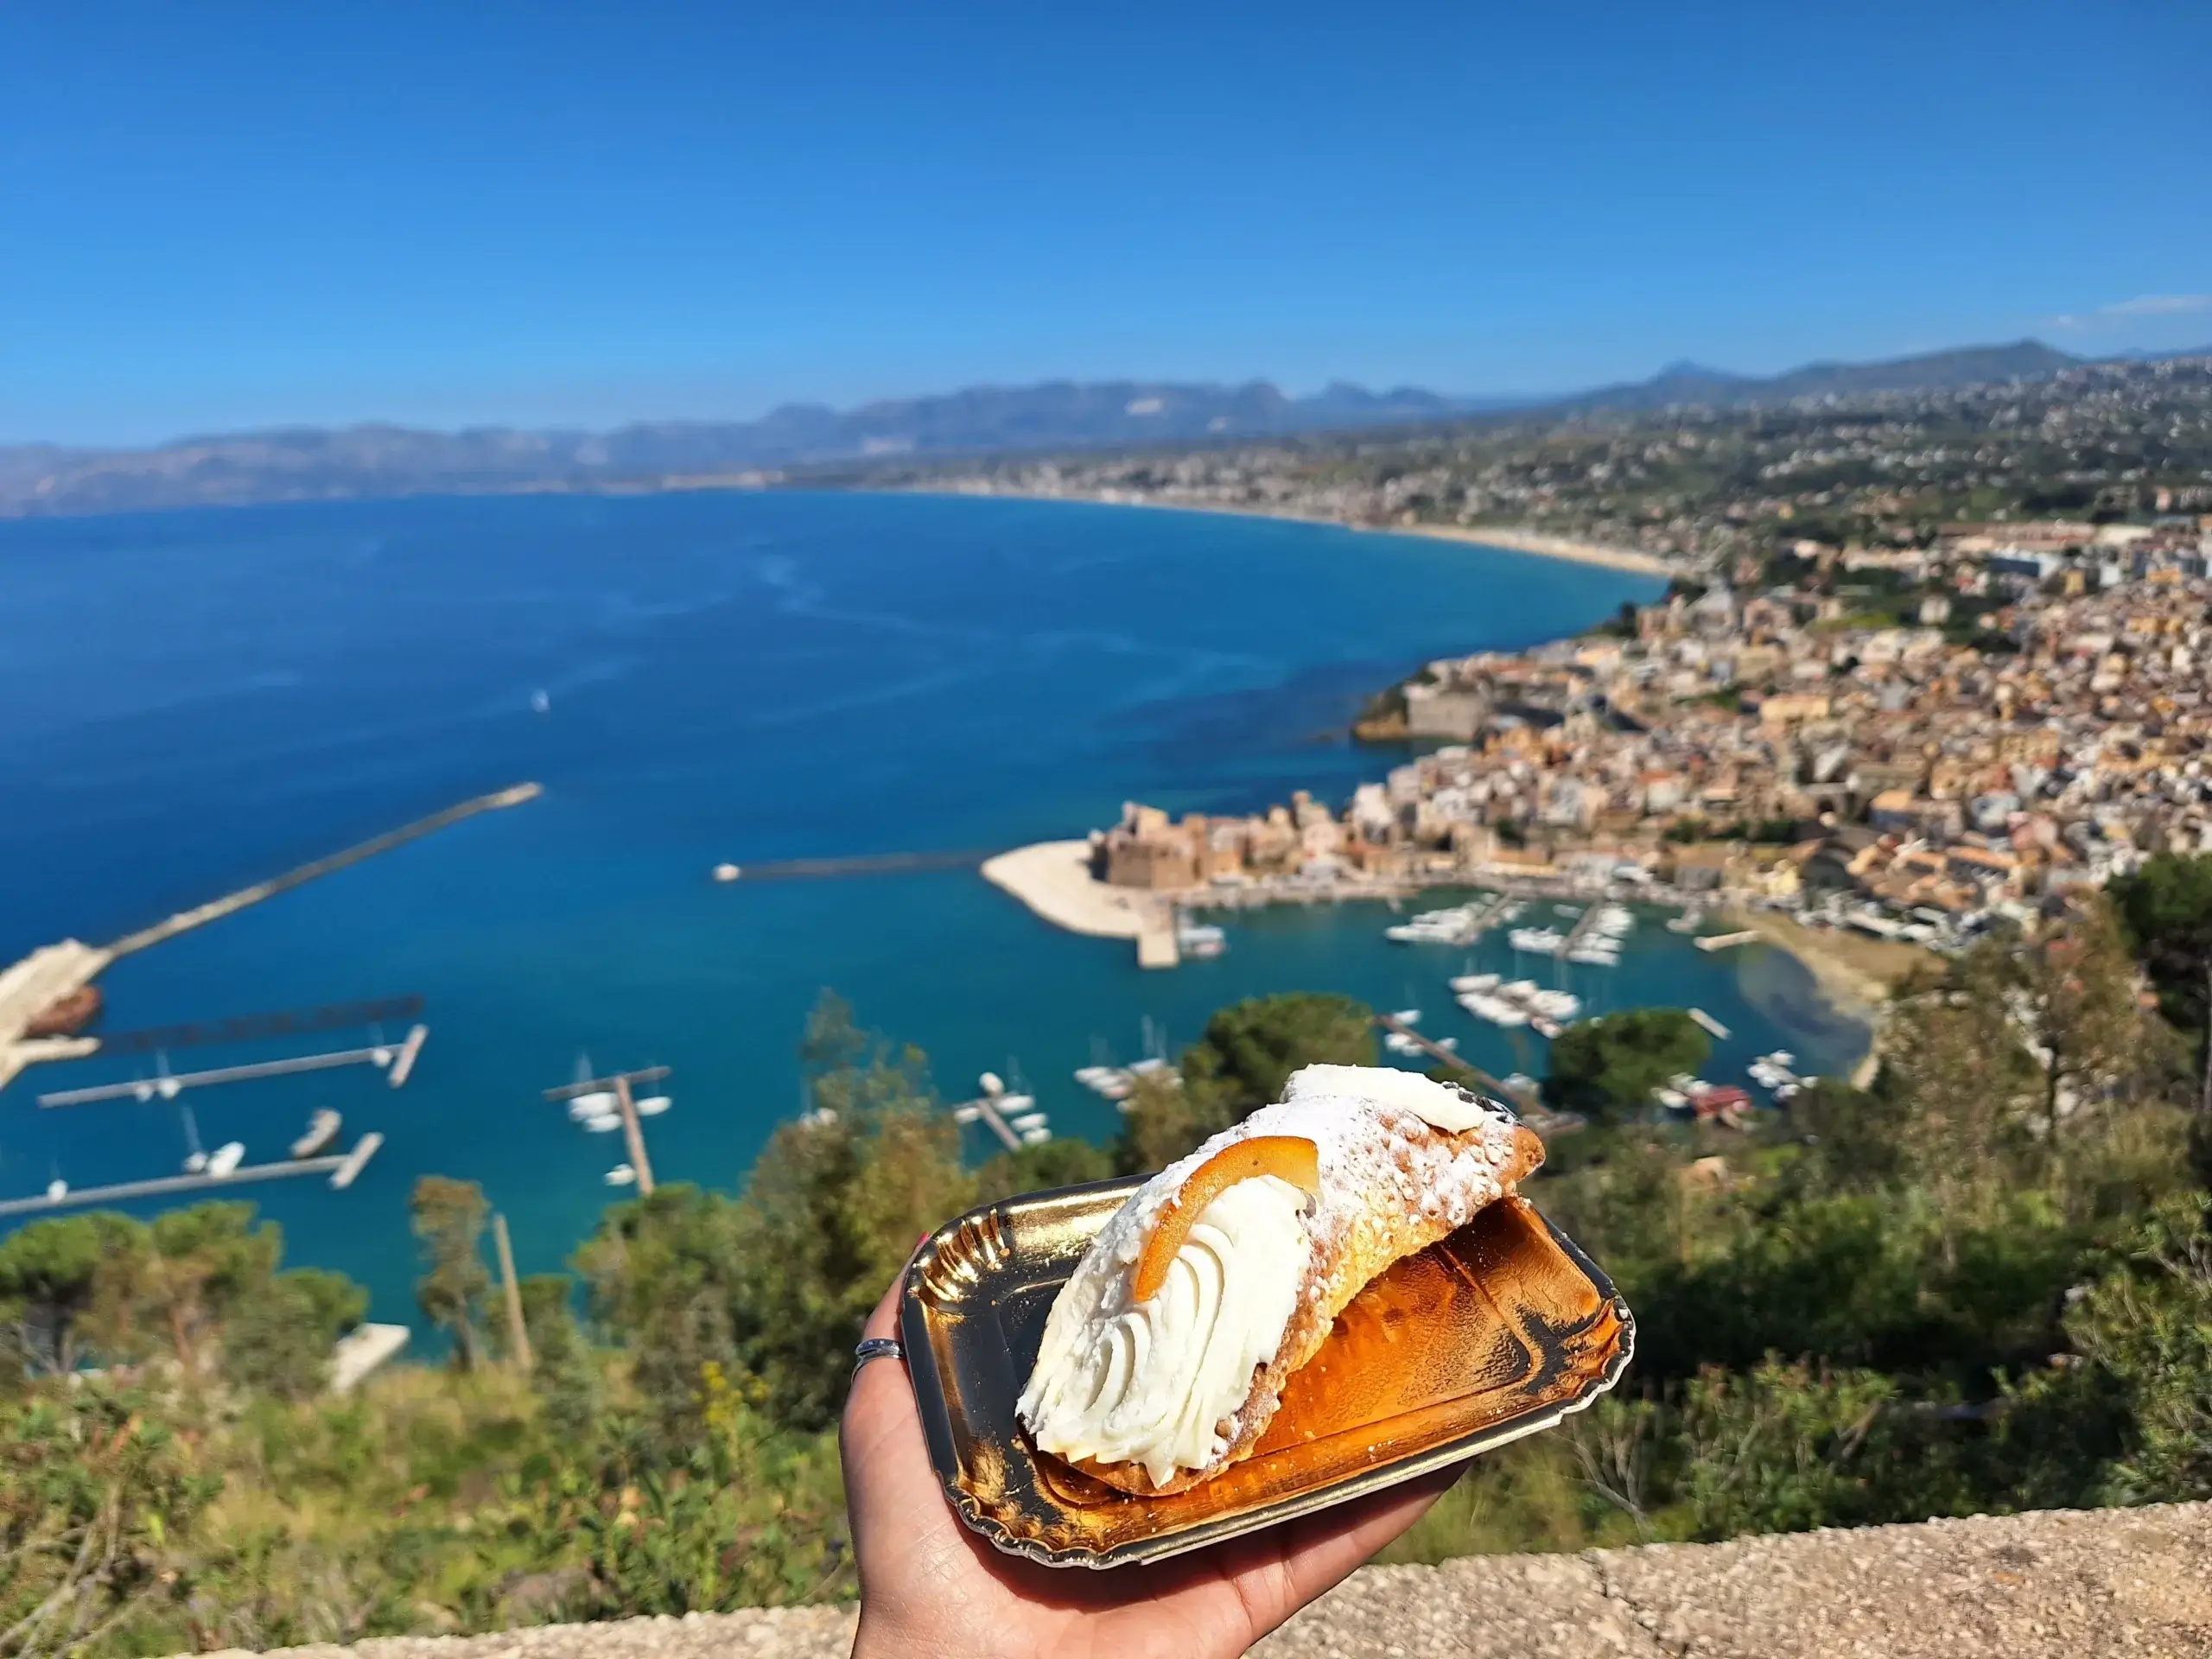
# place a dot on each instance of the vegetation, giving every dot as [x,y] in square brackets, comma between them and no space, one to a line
[1983,1283]
[1608,1068]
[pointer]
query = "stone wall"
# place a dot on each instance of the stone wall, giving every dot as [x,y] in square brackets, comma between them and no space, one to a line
[2095,1585]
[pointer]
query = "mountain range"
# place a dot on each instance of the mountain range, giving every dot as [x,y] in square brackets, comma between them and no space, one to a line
[295,464]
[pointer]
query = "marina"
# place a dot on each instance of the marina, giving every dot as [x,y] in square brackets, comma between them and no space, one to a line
[398,1060]
[1012,1117]
[342,1170]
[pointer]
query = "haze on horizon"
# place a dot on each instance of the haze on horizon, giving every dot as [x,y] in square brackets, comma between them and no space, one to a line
[590,215]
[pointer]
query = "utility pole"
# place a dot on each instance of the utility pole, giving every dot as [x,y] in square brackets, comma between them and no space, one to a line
[518,1332]
[619,1085]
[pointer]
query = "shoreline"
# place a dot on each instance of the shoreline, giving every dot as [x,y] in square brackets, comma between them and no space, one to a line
[1505,538]
[1052,879]
[1855,976]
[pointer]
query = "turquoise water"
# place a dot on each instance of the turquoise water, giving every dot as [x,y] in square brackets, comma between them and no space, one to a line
[191,701]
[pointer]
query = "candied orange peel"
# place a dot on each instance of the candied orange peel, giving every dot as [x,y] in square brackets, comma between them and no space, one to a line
[1291,1158]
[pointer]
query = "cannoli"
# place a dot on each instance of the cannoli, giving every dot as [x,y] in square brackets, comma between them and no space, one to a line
[1164,1355]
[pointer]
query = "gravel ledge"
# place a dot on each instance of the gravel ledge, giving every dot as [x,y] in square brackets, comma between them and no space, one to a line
[2083,1584]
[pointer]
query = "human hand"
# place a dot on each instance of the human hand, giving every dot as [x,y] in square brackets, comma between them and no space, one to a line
[931,1589]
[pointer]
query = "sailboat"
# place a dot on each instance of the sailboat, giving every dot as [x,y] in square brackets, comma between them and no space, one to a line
[195,1155]
[600,1102]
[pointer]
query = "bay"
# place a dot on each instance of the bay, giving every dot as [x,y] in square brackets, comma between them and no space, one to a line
[189,701]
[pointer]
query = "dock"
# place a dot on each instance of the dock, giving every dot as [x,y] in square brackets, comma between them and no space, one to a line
[360,1351]
[1709,1023]
[1442,1055]
[52,972]
[822,869]
[170,1084]
[1547,1123]
[403,1067]
[341,1169]
[185,920]
[1725,941]
[1583,923]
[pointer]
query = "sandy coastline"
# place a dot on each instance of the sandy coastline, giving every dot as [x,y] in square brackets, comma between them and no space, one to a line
[1857,975]
[1510,538]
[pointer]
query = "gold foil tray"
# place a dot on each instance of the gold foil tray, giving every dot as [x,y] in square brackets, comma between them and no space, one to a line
[1499,1330]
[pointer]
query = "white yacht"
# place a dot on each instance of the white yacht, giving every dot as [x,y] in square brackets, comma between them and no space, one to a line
[225,1158]
[1462,982]
[621,1175]
[583,1108]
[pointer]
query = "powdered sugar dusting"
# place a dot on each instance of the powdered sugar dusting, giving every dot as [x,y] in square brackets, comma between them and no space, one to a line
[1390,1144]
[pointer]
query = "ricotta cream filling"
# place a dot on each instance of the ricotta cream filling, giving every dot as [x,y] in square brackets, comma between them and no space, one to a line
[1159,1383]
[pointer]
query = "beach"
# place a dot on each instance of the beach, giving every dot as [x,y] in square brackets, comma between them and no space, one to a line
[1544,546]
[1857,973]
[1510,538]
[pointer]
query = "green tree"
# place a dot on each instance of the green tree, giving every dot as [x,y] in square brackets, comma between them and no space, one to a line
[1164,1116]
[1248,1049]
[1855,1135]
[2166,909]
[1065,1160]
[449,1217]
[663,1276]
[276,1341]
[1607,1068]
[564,1369]
[831,1213]
[181,1280]
[50,1279]
[2146,1324]
[774,1284]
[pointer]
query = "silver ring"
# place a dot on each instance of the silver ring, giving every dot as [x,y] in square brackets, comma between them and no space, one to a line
[876,1348]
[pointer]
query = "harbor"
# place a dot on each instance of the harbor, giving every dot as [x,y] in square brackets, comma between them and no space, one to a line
[591,919]
[343,1170]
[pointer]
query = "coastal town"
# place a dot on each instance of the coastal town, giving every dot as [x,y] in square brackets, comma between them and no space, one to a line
[1764,746]
[1928,661]
[1698,481]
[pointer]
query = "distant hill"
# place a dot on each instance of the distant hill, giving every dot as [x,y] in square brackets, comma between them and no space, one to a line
[305,464]
[1970,366]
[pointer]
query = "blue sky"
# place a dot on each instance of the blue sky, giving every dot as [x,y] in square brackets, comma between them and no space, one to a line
[221,215]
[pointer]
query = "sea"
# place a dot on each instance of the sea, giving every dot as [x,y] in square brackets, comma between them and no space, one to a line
[190,702]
